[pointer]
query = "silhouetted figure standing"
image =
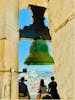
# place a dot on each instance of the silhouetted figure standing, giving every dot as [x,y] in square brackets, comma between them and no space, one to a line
[52,88]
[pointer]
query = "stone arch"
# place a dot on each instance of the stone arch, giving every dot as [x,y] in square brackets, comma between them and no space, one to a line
[61,17]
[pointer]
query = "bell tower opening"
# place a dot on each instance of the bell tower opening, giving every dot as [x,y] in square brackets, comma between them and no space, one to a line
[34,72]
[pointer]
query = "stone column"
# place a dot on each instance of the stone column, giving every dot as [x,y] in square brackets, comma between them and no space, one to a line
[61,18]
[9,49]
[2,40]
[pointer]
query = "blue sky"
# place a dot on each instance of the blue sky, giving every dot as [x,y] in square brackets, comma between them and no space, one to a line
[25,18]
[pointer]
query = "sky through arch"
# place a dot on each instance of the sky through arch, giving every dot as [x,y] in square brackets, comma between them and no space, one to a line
[25,19]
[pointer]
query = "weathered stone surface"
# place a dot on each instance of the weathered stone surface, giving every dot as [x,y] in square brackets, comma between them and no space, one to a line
[9,49]
[59,11]
[63,53]
[60,15]
[1,53]
[2,31]
[23,4]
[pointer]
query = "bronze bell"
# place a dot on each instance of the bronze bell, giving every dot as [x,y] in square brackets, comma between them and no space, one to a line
[39,54]
[38,28]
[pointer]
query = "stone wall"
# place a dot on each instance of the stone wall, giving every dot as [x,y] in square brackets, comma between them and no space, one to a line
[9,38]
[61,18]
[61,21]
[63,53]
[23,4]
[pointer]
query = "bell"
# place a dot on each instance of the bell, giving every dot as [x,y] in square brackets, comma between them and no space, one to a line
[38,28]
[39,54]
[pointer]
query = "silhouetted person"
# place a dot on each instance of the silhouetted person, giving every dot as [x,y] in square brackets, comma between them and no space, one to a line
[24,70]
[52,88]
[23,89]
[24,74]
[42,87]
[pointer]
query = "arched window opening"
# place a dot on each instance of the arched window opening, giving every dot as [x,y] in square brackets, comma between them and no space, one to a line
[35,72]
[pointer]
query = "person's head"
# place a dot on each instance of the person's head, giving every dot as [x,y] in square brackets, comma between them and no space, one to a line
[46,97]
[24,70]
[52,78]
[42,82]
[22,79]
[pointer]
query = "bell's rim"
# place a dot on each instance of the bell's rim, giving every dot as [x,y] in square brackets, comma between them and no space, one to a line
[34,60]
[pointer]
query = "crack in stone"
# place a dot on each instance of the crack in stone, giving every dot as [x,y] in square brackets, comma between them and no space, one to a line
[65,22]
